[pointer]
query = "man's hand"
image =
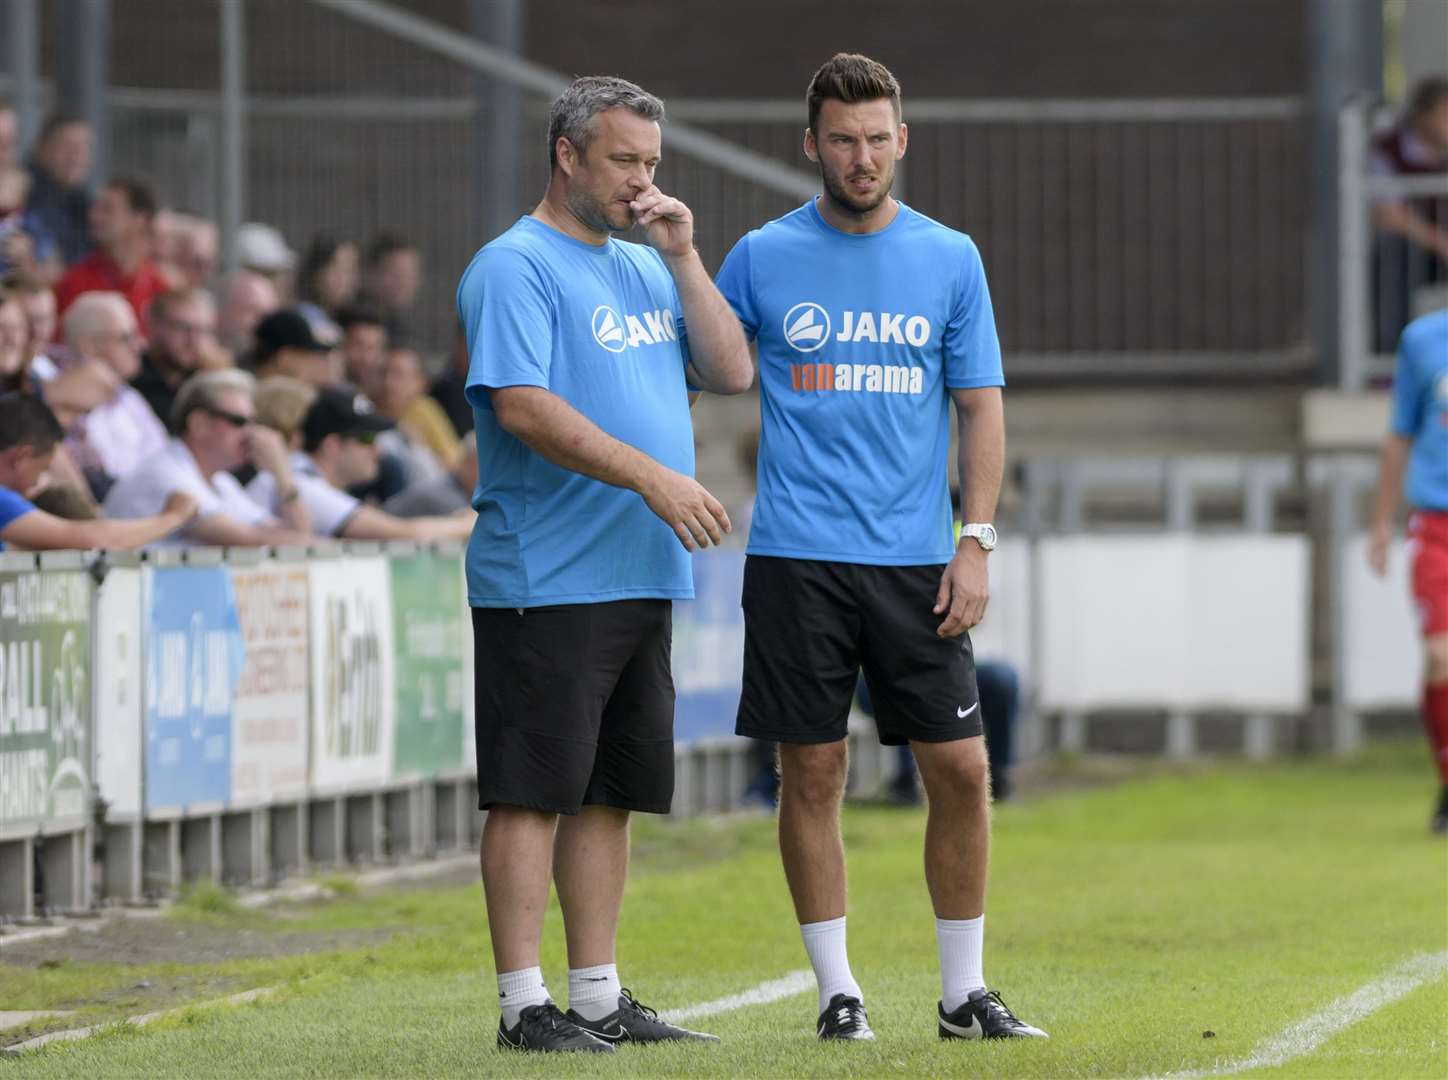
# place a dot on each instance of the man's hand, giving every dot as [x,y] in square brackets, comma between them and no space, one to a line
[1379,540]
[964,591]
[697,518]
[182,506]
[667,223]
[269,452]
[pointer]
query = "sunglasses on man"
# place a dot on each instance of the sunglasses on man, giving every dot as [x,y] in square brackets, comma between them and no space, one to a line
[234,419]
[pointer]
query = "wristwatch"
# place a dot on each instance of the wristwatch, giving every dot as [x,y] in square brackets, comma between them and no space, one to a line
[984,535]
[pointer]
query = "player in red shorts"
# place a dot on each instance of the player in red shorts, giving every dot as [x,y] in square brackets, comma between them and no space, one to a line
[1417,446]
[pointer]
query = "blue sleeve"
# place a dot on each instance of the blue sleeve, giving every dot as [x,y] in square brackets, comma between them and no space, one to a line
[506,308]
[1408,389]
[13,506]
[972,349]
[736,283]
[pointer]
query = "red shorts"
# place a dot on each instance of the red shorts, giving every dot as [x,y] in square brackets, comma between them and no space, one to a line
[1429,531]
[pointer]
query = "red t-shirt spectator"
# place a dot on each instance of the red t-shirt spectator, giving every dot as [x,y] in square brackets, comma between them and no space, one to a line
[99,272]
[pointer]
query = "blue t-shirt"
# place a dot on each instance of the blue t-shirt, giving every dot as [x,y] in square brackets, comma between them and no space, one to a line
[12,505]
[1420,408]
[861,339]
[601,327]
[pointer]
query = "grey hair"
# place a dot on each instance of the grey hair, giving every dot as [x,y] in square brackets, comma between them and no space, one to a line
[204,390]
[571,116]
[89,316]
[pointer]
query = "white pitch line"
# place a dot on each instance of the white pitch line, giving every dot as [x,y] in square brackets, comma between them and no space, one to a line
[796,982]
[1307,1035]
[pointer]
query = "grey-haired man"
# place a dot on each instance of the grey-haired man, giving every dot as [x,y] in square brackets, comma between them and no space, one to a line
[580,374]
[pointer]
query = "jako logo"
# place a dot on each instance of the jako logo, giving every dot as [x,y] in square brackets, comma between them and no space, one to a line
[807,327]
[616,334]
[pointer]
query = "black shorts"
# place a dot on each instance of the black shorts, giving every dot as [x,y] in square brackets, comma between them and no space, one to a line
[809,627]
[575,706]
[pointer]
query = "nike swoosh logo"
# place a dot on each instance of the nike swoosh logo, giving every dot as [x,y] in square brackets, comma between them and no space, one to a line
[971,1031]
[605,1035]
[963,713]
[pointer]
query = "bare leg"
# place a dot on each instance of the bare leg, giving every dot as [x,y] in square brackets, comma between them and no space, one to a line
[517,853]
[957,827]
[811,790]
[590,865]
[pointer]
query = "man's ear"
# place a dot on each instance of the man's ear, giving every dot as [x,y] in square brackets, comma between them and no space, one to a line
[811,148]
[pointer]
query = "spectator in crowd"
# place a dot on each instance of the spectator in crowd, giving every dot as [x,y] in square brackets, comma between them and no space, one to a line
[453,494]
[364,346]
[38,302]
[1412,243]
[29,436]
[329,274]
[14,345]
[212,434]
[289,343]
[333,435]
[60,179]
[121,220]
[195,251]
[263,250]
[26,245]
[246,299]
[449,388]
[117,436]
[394,275]
[183,326]
[402,395]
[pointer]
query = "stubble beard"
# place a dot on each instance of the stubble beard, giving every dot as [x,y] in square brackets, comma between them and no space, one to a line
[848,204]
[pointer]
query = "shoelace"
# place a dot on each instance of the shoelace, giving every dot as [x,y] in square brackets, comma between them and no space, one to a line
[551,1013]
[993,1003]
[850,1017]
[638,1006]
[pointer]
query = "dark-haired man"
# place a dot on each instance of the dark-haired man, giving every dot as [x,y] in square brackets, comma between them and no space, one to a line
[29,435]
[120,221]
[183,328]
[60,182]
[587,509]
[871,319]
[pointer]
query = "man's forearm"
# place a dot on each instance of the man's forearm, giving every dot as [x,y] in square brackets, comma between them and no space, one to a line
[982,454]
[548,425]
[717,349]
[1392,461]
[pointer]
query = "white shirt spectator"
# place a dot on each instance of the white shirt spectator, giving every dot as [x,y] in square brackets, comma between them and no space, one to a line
[144,492]
[330,507]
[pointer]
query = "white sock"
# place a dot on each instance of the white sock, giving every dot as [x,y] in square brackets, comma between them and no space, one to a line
[961,942]
[825,943]
[593,991]
[519,989]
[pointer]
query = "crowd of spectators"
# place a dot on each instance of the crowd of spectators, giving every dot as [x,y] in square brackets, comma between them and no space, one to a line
[145,399]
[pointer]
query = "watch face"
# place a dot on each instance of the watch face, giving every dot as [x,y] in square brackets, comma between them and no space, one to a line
[988,537]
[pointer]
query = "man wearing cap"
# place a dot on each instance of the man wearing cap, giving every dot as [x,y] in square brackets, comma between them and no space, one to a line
[213,433]
[290,343]
[263,250]
[338,439]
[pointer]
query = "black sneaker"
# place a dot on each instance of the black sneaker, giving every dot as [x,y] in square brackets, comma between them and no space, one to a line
[844,1018]
[1438,823]
[632,1022]
[543,1027]
[984,1016]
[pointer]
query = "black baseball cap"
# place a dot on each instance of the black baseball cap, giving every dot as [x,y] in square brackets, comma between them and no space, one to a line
[341,412]
[290,328]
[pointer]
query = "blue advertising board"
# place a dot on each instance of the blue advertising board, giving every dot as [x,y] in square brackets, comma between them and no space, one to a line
[194,659]
[709,648]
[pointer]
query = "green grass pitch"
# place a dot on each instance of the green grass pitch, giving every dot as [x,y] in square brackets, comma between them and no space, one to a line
[1128,921]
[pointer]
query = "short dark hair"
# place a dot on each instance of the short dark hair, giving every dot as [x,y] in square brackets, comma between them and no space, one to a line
[1428,94]
[851,78]
[25,420]
[139,196]
[55,121]
[386,244]
[359,315]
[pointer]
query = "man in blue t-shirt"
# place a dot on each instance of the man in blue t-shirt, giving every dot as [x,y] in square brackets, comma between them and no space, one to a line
[871,319]
[1417,446]
[580,375]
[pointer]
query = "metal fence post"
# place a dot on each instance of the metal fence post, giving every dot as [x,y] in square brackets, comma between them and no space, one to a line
[233,131]
[1352,256]
[21,24]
